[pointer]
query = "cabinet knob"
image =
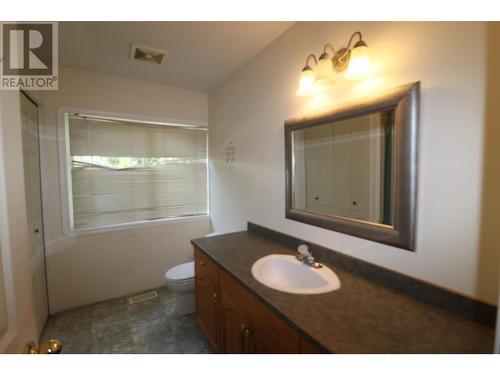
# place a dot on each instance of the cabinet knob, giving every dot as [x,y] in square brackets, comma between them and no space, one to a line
[202,262]
[354,203]
[37,230]
[316,198]
[215,295]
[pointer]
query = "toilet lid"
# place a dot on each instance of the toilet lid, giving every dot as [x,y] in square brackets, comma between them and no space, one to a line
[181,272]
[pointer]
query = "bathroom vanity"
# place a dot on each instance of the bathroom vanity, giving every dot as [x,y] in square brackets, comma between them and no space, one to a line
[235,321]
[240,315]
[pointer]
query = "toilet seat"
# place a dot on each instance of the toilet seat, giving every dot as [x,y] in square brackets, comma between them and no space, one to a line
[181,274]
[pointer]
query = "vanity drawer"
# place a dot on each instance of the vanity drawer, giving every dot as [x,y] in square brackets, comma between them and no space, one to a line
[205,268]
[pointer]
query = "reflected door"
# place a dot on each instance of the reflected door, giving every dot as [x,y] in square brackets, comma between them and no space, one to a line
[318,159]
[340,168]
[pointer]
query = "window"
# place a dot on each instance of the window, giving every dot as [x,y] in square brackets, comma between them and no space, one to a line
[122,171]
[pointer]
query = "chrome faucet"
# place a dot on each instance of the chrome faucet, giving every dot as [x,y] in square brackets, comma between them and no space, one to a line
[305,256]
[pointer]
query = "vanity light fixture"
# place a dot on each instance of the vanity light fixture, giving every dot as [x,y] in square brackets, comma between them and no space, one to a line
[355,61]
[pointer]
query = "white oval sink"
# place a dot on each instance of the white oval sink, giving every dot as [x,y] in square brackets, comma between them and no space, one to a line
[287,274]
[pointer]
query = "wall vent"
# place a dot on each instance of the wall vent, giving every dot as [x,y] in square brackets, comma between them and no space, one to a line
[148,54]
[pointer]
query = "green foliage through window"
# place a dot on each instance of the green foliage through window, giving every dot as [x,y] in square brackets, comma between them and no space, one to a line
[124,162]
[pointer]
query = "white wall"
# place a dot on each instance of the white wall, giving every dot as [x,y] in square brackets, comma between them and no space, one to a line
[93,267]
[449,59]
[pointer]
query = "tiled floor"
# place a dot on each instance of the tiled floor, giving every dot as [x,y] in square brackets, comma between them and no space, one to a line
[116,327]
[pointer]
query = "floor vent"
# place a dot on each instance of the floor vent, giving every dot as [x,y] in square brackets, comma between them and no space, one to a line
[142,297]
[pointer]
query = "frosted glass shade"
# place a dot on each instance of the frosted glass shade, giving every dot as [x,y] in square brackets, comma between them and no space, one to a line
[306,83]
[359,63]
[324,70]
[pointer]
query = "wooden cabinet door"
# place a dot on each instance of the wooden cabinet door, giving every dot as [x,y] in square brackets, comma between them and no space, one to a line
[207,306]
[235,329]
[272,335]
[271,342]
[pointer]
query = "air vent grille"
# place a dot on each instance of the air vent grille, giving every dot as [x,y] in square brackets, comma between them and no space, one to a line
[148,54]
[142,297]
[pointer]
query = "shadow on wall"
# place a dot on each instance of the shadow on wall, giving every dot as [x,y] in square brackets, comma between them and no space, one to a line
[489,257]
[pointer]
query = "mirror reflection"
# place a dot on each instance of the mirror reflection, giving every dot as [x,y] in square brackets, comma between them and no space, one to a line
[345,168]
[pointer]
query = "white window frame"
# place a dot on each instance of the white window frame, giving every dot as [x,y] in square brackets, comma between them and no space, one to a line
[65,172]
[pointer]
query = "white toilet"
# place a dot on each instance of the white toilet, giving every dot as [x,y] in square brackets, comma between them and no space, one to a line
[180,279]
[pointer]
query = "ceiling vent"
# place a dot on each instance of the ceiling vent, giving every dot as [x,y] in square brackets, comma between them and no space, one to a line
[148,54]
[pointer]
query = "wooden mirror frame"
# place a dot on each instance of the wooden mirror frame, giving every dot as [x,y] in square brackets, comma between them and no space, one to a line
[404,100]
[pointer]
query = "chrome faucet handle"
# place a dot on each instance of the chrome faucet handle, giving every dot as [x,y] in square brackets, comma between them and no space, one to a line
[306,257]
[304,250]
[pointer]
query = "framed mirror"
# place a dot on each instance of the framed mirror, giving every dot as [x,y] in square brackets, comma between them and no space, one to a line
[354,170]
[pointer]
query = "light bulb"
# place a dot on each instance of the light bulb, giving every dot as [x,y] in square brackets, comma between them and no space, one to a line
[359,62]
[306,83]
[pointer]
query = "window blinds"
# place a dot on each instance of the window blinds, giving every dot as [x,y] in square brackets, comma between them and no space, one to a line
[124,171]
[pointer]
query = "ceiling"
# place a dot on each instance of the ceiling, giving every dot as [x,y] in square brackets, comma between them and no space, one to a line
[200,54]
